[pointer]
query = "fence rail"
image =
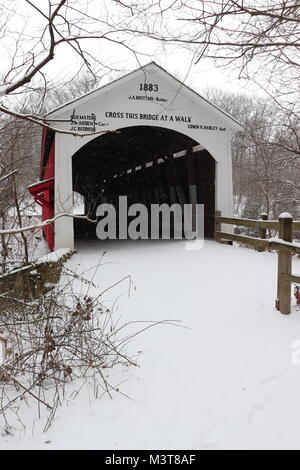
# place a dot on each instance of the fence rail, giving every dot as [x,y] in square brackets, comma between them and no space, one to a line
[255,223]
[285,226]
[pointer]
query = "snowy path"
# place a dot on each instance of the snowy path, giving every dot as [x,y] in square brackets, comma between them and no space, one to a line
[226,381]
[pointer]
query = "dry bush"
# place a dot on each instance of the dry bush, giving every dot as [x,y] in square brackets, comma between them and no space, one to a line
[62,336]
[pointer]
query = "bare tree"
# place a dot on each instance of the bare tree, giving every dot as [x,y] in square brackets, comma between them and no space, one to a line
[32,37]
[258,40]
[254,40]
[265,176]
[245,34]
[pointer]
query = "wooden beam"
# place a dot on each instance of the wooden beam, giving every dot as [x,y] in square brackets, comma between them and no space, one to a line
[242,239]
[274,245]
[283,301]
[284,247]
[217,226]
[156,185]
[262,224]
[178,185]
[262,231]
[291,278]
[192,184]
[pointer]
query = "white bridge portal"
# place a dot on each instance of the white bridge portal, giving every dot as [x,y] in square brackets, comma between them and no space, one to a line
[147,132]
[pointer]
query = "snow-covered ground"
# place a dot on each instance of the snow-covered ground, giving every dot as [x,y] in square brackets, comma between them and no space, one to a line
[230,379]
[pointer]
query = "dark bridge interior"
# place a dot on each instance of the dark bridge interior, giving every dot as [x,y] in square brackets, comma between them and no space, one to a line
[149,165]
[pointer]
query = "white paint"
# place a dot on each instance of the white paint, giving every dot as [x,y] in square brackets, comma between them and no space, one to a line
[2,350]
[112,108]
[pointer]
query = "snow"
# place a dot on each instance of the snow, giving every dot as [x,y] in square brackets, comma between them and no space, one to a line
[284,242]
[229,379]
[285,215]
[53,256]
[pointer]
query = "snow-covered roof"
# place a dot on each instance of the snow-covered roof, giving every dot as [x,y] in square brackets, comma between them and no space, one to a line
[230,121]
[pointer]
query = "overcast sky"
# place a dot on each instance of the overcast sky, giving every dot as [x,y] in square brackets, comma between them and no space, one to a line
[21,20]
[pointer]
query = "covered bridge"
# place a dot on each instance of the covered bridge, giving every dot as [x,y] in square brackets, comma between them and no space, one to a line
[147,136]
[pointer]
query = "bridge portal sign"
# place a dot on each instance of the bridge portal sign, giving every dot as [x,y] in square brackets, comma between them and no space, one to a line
[146,99]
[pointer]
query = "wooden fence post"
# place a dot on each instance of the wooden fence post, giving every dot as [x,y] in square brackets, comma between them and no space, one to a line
[262,231]
[283,301]
[217,226]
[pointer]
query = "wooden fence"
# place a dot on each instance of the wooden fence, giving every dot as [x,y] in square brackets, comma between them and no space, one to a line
[285,226]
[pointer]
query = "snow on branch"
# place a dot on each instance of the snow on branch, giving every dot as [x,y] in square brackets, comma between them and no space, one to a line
[43,122]
[44,224]
[3,178]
